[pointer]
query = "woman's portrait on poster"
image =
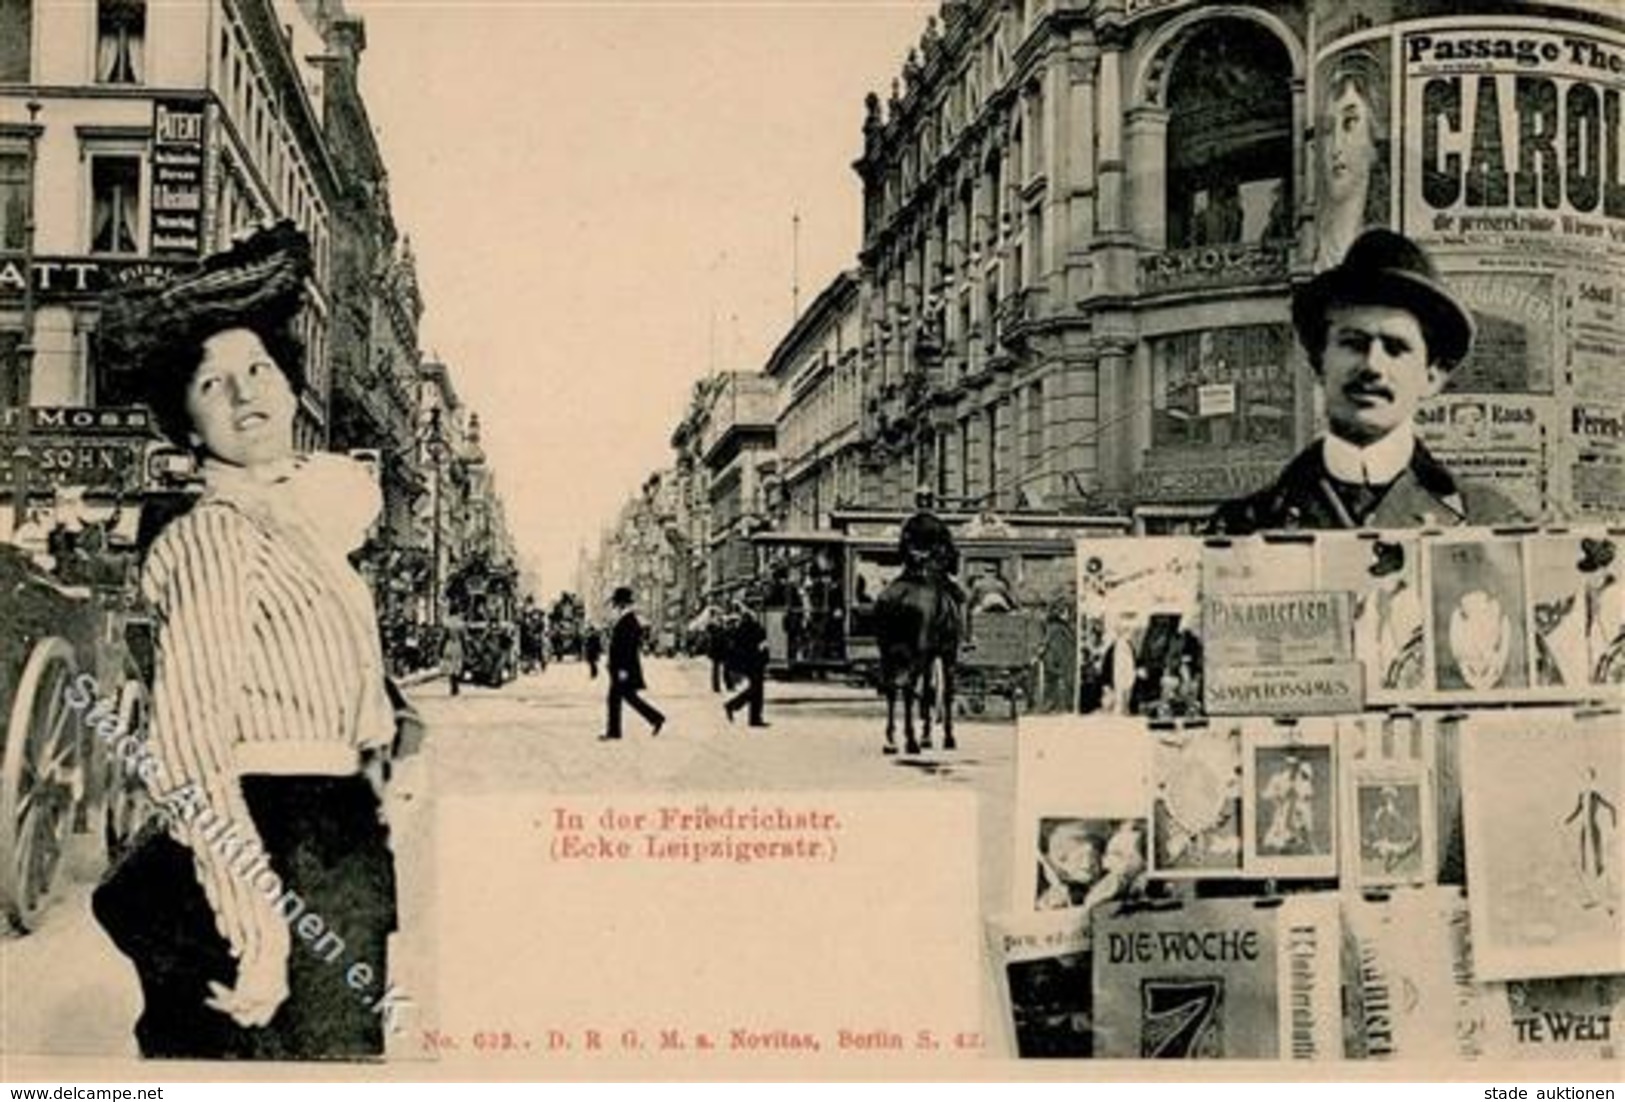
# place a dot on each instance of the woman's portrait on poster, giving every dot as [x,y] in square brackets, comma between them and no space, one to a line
[1352,149]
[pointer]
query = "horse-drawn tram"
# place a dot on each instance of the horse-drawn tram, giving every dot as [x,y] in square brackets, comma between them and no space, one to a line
[483,596]
[76,646]
[1017,572]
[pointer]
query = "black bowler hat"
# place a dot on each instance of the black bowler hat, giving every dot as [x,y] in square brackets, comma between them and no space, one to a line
[1595,555]
[1386,558]
[1384,268]
[621,596]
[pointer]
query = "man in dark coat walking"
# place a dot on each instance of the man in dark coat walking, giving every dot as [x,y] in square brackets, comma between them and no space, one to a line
[626,667]
[750,659]
[1383,333]
[592,649]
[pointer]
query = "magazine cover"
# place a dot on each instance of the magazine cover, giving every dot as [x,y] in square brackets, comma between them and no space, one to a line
[1576,604]
[1290,786]
[1139,623]
[1419,999]
[1389,816]
[1478,623]
[1416,995]
[1080,811]
[1541,795]
[1383,576]
[1197,805]
[1211,979]
[1043,973]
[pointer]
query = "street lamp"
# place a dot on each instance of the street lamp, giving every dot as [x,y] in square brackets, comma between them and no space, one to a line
[24,350]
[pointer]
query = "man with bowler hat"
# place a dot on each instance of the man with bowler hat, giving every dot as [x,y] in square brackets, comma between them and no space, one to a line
[1383,333]
[626,667]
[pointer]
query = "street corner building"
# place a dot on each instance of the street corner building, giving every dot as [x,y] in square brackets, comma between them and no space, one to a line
[1083,223]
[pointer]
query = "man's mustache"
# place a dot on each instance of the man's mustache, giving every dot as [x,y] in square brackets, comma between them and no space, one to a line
[1368,385]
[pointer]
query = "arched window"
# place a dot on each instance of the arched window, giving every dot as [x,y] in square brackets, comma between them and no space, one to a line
[1230,138]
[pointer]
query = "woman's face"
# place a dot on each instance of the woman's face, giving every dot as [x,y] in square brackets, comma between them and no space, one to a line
[240,403]
[1073,854]
[1350,149]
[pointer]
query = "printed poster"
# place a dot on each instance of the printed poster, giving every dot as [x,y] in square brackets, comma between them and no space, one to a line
[1389,819]
[1382,574]
[1289,777]
[1220,979]
[1577,609]
[1197,805]
[1541,793]
[1139,621]
[1478,619]
[1497,441]
[1042,973]
[1416,998]
[1486,163]
[1080,811]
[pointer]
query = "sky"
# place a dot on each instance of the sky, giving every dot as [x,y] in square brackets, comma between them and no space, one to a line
[600,197]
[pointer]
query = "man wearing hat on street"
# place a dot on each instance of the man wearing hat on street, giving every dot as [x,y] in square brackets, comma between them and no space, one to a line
[926,545]
[626,667]
[1383,333]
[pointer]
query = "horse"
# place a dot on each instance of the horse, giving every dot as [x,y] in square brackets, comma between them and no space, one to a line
[917,625]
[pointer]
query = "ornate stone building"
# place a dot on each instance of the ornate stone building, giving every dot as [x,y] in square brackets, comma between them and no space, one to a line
[148,135]
[817,370]
[1083,222]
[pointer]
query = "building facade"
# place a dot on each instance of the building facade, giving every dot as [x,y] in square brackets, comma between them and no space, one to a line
[817,373]
[141,136]
[1083,223]
[736,446]
[377,303]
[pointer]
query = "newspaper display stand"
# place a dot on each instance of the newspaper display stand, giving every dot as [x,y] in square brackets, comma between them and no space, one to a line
[1366,752]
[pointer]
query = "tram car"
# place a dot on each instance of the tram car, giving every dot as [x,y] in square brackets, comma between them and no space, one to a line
[483,597]
[1018,573]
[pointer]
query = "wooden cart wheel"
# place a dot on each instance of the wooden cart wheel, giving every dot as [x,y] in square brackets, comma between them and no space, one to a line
[40,782]
[128,804]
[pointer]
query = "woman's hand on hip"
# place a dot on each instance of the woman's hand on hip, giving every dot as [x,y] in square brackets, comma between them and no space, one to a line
[262,981]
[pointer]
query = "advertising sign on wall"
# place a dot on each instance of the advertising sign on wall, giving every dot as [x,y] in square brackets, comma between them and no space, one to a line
[1512,135]
[1493,440]
[177,178]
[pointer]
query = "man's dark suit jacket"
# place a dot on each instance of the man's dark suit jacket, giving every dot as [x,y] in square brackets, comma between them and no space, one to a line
[626,652]
[1424,495]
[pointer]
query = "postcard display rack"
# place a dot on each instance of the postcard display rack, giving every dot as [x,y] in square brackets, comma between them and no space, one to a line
[1332,795]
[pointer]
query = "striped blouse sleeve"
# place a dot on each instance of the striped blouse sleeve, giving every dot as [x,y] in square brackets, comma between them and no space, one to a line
[198,578]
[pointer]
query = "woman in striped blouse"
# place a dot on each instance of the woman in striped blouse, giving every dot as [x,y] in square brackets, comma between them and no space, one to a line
[274,883]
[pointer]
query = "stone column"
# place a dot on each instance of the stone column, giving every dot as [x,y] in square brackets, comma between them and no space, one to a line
[1114,425]
[976,469]
[1073,181]
[1005,464]
[1110,119]
[1147,180]
[1074,425]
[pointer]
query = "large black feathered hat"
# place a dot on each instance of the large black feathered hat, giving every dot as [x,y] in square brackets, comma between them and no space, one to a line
[260,278]
[1384,268]
[150,337]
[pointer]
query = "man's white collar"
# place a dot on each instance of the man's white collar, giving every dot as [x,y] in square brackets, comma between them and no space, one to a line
[1375,465]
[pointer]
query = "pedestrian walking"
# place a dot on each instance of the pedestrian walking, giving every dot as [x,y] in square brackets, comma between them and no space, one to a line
[626,668]
[717,632]
[750,659]
[454,653]
[268,695]
[592,649]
